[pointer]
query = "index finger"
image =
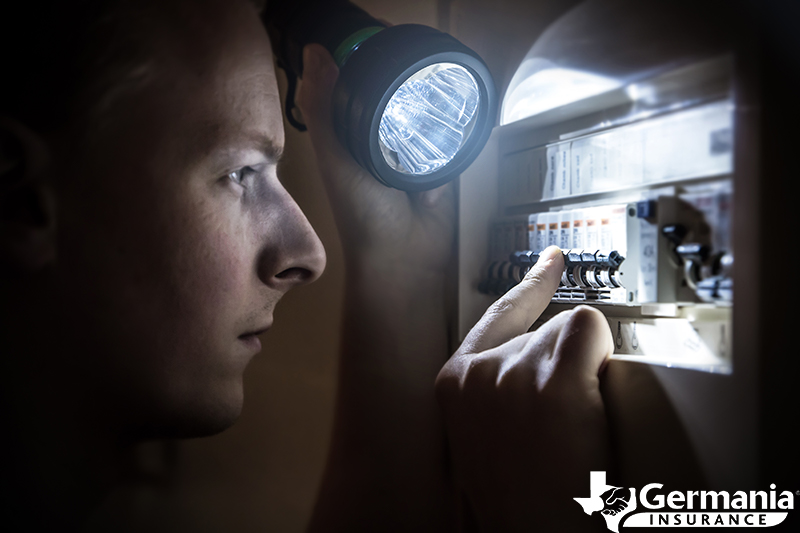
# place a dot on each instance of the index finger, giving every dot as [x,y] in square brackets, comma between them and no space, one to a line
[514,312]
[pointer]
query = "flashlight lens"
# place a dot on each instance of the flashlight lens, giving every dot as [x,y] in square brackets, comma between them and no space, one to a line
[429,118]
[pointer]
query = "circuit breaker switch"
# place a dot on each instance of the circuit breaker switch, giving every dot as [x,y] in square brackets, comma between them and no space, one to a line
[524,258]
[592,277]
[572,257]
[646,209]
[577,275]
[610,278]
[587,258]
[693,255]
[612,259]
[693,252]
[674,233]
[588,274]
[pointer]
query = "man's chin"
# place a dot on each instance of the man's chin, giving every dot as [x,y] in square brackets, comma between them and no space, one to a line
[203,428]
[203,420]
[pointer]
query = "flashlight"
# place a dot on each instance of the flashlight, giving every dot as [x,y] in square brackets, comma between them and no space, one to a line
[413,105]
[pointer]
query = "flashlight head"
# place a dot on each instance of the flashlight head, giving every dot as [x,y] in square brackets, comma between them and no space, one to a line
[414,106]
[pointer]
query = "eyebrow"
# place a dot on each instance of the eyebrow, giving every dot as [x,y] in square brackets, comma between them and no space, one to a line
[259,142]
[269,147]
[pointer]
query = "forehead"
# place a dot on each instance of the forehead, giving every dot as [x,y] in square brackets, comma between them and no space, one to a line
[220,74]
[210,81]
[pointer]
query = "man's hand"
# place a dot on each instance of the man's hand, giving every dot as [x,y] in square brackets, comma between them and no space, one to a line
[387,466]
[523,411]
[379,226]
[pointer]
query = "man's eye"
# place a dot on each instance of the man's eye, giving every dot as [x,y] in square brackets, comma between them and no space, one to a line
[239,176]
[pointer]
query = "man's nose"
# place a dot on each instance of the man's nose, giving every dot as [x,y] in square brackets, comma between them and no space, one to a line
[295,255]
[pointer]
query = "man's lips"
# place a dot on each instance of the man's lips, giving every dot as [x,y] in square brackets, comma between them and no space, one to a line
[256,332]
[251,339]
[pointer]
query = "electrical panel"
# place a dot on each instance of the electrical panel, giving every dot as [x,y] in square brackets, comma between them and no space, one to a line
[635,185]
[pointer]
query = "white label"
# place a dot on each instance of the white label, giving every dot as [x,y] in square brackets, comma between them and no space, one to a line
[563,171]
[691,143]
[541,232]
[605,228]
[589,164]
[648,261]
[592,229]
[565,230]
[551,163]
[558,182]
[619,229]
[578,229]
[553,233]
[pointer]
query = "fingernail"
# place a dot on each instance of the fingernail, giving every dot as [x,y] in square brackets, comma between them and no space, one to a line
[549,253]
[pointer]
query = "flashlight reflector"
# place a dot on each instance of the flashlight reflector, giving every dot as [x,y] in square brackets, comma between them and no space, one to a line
[428,119]
[413,106]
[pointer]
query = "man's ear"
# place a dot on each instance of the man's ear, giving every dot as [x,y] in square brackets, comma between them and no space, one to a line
[27,200]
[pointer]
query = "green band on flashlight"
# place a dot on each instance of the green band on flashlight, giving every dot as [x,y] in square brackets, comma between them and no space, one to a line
[349,45]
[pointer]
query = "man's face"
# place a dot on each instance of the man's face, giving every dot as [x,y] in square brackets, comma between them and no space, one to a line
[176,239]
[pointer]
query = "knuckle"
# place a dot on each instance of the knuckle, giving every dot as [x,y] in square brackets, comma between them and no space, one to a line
[586,320]
[448,375]
[514,383]
[460,374]
[503,305]
[447,386]
[479,373]
[519,378]
[535,276]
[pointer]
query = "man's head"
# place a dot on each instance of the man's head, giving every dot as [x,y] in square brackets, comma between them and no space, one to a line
[142,217]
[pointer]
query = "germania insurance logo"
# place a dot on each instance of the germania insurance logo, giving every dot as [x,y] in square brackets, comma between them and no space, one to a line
[655,507]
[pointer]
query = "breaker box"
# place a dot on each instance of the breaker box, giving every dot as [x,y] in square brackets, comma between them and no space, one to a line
[637,185]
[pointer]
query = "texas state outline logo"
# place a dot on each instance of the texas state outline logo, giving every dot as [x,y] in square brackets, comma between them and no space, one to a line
[656,508]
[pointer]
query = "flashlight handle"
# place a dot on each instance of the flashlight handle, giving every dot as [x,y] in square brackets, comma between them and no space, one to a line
[292,24]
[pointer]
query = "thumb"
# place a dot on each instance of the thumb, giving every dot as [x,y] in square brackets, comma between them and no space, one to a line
[514,312]
[584,345]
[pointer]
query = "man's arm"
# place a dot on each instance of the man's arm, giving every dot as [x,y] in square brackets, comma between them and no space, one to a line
[387,466]
[386,469]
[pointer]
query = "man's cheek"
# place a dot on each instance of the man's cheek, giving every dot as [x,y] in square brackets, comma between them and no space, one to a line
[220,265]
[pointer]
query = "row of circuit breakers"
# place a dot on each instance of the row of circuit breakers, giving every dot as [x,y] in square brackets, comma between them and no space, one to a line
[672,248]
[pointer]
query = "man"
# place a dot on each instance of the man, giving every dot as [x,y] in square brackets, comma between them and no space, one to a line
[146,240]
